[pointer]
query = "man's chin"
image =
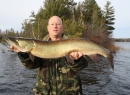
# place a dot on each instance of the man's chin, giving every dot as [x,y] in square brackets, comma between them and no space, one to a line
[56,34]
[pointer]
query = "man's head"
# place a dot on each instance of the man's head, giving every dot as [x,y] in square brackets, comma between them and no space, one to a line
[55,27]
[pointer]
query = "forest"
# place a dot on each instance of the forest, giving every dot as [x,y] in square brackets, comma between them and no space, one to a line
[80,19]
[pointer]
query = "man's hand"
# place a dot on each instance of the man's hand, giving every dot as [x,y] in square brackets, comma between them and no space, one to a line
[75,55]
[14,49]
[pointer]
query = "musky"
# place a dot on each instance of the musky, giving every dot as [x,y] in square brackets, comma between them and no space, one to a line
[14,12]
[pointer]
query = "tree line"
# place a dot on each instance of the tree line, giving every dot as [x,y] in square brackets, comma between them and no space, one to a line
[122,39]
[82,19]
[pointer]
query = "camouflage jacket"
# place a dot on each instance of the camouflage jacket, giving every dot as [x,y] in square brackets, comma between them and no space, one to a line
[55,76]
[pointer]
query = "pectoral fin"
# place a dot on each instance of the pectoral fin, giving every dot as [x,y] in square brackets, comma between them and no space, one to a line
[69,59]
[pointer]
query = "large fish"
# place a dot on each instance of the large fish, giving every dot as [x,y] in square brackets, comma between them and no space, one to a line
[56,49]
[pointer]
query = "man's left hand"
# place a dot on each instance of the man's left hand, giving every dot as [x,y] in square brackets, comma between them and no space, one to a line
[75,55]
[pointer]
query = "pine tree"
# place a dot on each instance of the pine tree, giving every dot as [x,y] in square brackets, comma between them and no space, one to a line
[108,14]
[93,19]
[61,8]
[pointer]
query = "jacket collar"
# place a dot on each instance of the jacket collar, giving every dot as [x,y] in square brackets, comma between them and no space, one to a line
[47,38]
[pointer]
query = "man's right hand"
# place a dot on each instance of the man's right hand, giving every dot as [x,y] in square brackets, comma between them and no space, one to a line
[14,49]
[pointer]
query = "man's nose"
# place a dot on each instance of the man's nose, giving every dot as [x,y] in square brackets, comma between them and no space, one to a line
[55,25]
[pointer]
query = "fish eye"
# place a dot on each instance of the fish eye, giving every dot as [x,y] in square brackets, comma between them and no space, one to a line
[17,40]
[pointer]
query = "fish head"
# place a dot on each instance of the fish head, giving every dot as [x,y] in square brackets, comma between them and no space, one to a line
[23,44]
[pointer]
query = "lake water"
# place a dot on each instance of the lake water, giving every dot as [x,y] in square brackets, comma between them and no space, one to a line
[97,78]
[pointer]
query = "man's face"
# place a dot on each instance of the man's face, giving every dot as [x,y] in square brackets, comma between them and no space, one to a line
[55,26]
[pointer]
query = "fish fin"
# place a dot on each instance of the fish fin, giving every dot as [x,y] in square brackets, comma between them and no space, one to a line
[88,58]
[94,57]
[69,59]
[111,61]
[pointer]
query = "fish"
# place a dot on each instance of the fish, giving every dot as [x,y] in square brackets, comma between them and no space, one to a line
[60,48]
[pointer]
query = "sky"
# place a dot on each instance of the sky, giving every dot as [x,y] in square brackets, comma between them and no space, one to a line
[14,12]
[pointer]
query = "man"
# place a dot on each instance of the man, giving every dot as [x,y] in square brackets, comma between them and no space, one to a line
[55,76]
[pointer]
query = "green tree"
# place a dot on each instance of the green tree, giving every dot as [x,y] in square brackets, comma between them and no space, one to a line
[61,8]
[88,8]
[93,18]
[10,32]
[27,29]
[39,25]
[73,28]
[108,14]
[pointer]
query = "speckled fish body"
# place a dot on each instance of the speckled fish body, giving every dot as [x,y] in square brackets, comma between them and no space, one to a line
[56,49]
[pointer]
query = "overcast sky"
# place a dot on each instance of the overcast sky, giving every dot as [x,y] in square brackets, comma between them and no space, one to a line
[14,12]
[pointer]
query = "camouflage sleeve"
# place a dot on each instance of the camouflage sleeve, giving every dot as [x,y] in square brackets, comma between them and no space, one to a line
[78,64]
[29,61]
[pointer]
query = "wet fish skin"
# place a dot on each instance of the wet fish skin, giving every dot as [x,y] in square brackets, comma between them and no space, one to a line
[56,49]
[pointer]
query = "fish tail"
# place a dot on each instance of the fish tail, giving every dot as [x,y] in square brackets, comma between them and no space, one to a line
[111,60]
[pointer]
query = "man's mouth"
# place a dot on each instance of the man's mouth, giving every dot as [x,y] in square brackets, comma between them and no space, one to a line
[55,30]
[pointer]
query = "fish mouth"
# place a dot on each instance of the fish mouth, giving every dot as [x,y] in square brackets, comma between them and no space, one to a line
[11,40]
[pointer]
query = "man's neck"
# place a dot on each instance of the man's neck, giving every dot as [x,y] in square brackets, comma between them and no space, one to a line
[55,38]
